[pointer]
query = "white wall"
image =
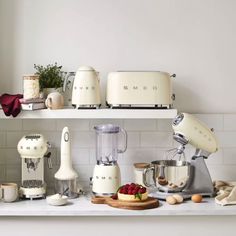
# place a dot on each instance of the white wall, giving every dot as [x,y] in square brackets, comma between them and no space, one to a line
[194,39]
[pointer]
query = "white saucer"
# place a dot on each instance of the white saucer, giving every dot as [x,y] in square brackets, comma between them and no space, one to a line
[57,200]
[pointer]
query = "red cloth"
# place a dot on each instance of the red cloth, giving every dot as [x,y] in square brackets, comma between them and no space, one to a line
[11,104]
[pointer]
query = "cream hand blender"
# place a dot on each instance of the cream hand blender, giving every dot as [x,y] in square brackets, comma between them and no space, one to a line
[66,177]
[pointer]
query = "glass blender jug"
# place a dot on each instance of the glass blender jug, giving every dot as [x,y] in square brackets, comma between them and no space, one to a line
[106,175]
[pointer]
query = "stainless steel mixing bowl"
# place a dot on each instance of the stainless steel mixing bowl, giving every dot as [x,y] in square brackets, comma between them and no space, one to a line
[168,175]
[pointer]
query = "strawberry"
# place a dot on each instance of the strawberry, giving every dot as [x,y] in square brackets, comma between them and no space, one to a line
[125,191]
[121,190]
[130,192]
[137,188]
[134,192]
[142,190]
[114,197]
[133,185]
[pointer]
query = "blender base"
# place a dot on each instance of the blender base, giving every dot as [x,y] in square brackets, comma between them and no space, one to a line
[102,194]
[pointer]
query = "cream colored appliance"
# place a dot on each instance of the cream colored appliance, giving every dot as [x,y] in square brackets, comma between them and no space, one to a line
[148,89]
[32,149]
[106,174]
[86,88]
[175,175]
[66,178]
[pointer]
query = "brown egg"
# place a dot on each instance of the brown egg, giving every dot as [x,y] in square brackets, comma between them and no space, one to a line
[197,198]
[171,200]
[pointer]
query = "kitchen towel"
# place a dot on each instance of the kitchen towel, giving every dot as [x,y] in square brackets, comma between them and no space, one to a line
[226,192]
[11,104]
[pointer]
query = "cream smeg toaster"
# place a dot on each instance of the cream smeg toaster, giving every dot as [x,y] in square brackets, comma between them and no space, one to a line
[148,89]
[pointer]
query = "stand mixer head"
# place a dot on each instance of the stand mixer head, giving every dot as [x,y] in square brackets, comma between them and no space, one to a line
[188,129]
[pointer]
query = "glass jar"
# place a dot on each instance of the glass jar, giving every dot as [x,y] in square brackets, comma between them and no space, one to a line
[30,86]
[138,172]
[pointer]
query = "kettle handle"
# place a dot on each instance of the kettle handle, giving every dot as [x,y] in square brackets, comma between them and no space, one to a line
[70,74]
[97,74]
[125,143]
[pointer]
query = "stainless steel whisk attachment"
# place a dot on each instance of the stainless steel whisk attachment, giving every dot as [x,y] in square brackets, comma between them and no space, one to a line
[178,151]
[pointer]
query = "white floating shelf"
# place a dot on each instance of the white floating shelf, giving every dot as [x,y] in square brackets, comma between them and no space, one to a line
[105,113]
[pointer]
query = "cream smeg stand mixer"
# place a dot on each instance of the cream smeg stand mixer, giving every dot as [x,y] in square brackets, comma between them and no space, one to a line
[176,175]
[106,174]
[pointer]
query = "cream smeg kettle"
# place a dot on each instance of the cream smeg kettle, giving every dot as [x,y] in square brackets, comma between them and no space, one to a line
[86,89]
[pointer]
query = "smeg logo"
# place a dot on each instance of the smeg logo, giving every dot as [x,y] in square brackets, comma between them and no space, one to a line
[84,88]
[135,87]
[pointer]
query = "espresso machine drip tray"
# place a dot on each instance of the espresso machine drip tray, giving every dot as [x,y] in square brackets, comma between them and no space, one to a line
[32,183]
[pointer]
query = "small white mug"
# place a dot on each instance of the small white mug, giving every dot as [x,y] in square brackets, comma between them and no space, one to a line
[9,192]
[54,101]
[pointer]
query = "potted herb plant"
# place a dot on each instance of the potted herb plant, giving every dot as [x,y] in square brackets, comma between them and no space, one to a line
[50,78]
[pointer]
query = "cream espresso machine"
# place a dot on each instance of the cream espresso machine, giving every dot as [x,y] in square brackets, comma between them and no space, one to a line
[32,149]
[106,174]
[176,175]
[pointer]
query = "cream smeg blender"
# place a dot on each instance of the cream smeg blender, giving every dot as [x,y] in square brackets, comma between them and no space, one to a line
[106,175]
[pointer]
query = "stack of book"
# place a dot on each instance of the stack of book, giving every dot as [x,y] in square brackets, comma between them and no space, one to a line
[32,104]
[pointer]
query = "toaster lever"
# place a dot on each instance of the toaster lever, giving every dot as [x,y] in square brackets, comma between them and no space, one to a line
[173,97]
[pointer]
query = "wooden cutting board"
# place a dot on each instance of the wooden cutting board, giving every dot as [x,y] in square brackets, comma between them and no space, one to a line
[141,205]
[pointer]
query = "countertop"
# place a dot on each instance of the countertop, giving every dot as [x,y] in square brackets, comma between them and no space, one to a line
[83,207]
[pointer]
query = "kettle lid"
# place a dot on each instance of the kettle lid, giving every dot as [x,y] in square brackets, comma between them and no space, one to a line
[86,68]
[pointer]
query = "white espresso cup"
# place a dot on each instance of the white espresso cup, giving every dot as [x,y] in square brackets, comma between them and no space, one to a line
[54,101]
[9,192]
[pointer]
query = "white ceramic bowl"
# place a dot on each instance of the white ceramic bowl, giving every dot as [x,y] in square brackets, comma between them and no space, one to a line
[57,200]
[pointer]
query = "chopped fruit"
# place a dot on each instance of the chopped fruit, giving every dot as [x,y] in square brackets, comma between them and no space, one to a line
[132,192]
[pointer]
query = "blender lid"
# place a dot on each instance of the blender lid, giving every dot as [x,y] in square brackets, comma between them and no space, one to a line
[107,128]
